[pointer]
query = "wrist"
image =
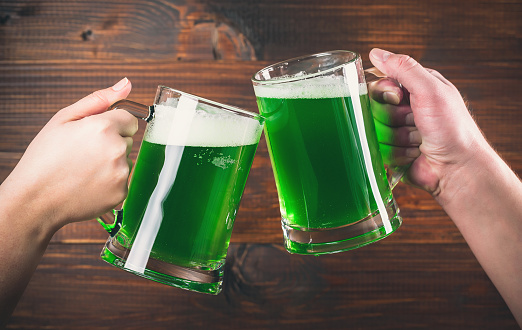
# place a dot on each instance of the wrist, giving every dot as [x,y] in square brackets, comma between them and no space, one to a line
[471,189]
[460,178]
[25,211]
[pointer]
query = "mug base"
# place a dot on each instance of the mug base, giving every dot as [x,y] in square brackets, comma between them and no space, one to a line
[317,241]
[202,281]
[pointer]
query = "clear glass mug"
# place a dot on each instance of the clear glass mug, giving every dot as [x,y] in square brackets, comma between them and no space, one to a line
[175,224]
[333,189]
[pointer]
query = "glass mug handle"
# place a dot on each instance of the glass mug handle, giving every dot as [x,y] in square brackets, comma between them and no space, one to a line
[111,221]
[396,172]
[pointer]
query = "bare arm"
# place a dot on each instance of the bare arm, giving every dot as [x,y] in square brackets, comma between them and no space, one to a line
[75,169]
[427,123]
[484,199]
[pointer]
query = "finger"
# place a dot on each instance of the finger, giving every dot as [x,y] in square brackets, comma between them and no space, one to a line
[386,91]
[129,142]
[404,136]
[439,76]
[126,124]
[131,165]
[407,71]
[392,115]
[398,156]
[97,102]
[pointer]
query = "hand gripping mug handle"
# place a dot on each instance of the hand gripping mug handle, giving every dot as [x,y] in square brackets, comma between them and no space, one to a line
[397,172]
[111,221]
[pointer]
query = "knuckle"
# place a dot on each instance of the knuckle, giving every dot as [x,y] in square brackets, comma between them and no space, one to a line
[131,122]
[103,124]
[121,175]
[99,97]
[122,113]
[118,150]
[120,195]
[406,63]
[435,72]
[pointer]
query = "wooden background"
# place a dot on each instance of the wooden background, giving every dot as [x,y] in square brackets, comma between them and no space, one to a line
[423,276]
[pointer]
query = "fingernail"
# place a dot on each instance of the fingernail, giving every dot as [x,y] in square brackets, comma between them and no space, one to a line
[391,98]
[380,54]
[120,84]
[415,137]
[385,55]
[413,152]
[409,119]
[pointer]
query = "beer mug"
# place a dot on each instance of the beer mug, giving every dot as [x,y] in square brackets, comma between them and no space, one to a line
[175,225]
[333,189]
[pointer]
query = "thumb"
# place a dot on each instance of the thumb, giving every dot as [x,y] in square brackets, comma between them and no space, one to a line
[407,71]
[97,102]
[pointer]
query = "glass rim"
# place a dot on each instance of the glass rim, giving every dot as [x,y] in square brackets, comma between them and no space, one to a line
[226,107]
[274,81]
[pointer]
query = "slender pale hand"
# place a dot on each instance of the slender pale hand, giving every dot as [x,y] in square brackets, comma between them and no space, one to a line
[75,169]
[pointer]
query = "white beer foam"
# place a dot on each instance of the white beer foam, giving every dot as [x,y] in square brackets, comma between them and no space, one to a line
[313,88]
[204,126]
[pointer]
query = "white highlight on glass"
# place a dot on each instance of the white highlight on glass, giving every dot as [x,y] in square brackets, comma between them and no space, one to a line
[150,225]
[351,78]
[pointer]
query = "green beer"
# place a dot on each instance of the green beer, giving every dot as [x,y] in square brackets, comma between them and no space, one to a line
[199,210]
[183,196]
[316,153]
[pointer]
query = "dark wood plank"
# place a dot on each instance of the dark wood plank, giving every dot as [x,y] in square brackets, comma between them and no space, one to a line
[267,288]
[112,29]
[442,30]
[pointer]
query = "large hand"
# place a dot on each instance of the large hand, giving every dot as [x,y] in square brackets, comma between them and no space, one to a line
[475,187]
[77,167]
[427,114]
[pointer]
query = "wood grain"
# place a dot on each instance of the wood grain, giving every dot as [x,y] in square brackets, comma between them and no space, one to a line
[378,287]
[48,87]
[442,30]
[53,53]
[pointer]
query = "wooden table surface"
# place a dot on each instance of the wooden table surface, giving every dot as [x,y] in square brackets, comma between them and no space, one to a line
[423,276]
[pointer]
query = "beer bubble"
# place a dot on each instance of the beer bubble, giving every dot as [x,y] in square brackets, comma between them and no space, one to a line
[223,162]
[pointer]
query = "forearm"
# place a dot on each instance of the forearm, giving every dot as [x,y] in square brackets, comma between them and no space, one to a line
[75,169]
[24,236]
[484,199]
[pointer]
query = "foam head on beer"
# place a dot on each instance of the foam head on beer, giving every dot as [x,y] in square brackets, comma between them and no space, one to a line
[320,87]
[197,124]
